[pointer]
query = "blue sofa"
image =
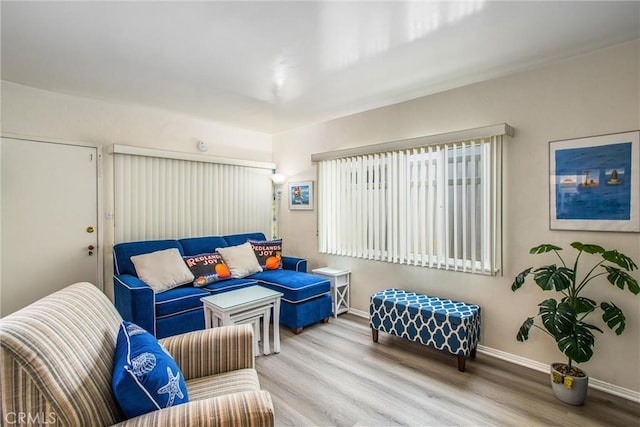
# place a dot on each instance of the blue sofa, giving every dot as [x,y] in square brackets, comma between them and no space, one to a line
[306,298]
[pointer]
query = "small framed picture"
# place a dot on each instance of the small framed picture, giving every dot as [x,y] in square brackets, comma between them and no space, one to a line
[301,195]
[594,183]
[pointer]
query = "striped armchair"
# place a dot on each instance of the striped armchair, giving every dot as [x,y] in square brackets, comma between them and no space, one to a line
[56,361]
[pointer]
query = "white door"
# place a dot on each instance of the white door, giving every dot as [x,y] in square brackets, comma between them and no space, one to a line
[49,219]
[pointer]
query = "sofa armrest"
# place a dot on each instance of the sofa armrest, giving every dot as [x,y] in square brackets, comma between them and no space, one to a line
[250,408]
[212,351]
[135,301]
[294,263]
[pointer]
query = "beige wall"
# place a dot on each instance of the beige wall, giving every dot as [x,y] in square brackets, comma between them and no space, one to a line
[41,113]
[588,95]
[44,114]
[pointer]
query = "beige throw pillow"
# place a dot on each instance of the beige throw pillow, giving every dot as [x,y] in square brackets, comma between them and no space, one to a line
[162,270]
[241,260]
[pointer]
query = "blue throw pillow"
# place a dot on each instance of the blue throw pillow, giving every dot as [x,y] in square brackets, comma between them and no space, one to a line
[145,376]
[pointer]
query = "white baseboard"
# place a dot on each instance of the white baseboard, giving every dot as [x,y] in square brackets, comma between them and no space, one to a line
[359,313]
[542,367]
[594,383]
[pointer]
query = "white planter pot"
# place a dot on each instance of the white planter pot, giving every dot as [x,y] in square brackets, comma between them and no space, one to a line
[571,390]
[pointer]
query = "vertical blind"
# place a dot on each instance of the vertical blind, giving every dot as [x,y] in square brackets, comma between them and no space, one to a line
[434,206]
[157,198]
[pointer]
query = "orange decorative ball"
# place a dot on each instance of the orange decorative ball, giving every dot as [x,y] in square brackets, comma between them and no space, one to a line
[222,271]
[272,263]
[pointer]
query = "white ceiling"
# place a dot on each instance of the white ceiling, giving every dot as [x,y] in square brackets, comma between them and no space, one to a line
[272,66]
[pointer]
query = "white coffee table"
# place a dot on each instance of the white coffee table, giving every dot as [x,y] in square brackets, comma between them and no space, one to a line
[246,305]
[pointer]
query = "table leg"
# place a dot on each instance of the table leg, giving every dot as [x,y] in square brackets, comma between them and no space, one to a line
[256,335]
[225,320]
[265,333]
[207,317]
[276,326]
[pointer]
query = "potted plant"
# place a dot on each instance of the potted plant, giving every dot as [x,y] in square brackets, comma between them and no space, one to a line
[564,319]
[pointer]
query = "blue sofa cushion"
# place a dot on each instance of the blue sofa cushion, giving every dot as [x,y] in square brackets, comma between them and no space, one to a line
[295,286]
[230,285]
[307,312]
[202,245]
[207,268]
[238,239]
[145,376]
[122,253]
[179,300]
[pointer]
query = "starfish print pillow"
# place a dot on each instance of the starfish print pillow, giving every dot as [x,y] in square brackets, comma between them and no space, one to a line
[145,376]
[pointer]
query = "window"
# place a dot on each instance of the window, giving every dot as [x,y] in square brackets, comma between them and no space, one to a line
[159,195]
[434,205]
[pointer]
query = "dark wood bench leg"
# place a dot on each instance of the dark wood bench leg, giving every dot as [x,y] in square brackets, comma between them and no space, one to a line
[325,320]
[473,353]
[374,335]
[461,363]
[297,330]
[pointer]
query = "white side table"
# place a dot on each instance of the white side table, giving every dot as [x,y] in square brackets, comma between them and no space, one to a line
[339,279]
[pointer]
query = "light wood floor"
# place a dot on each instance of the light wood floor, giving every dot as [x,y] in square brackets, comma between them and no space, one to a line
[334,375]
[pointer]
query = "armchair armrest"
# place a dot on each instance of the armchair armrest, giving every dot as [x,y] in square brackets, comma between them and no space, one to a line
[294,263]
[212,351]
[135,301]
[250,408]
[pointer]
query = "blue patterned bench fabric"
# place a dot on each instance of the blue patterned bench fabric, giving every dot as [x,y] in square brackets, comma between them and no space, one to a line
[447,325]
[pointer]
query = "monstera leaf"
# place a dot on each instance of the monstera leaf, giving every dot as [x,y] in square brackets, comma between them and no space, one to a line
[551,277]
[582,304]
[544,249]
[520,279]
[613,317]
[620,260]
[577,343]
[523,333]
[590,249]
[621,278]
[558,319]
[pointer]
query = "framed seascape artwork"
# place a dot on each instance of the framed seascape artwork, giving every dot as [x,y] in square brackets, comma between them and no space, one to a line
[301,195]
[594,183]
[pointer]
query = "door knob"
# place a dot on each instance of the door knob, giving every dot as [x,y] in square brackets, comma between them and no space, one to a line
[91,248]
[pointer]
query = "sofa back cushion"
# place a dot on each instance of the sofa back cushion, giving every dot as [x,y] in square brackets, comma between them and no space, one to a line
[202,245]
[58,357]
[241,260]
[238,239]
[122,253]
[162,270]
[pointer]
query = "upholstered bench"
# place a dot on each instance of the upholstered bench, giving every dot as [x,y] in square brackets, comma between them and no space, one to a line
[447,325]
